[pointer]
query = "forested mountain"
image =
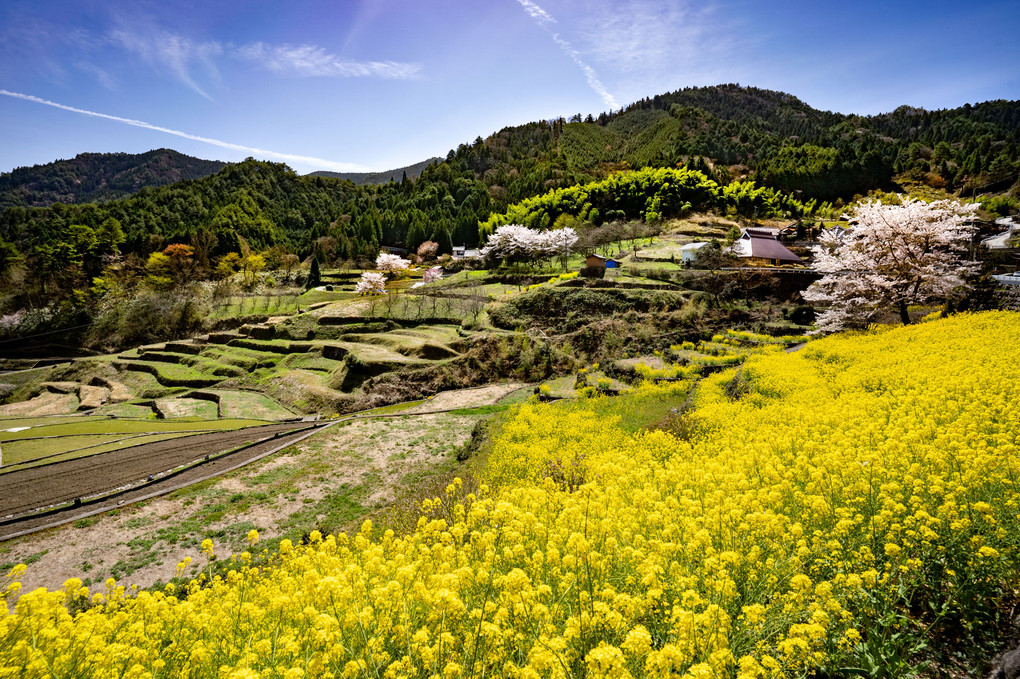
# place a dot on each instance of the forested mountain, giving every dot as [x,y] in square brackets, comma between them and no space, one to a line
[92,177]
[359,178]
[784,143]
[727,132]
[250,206]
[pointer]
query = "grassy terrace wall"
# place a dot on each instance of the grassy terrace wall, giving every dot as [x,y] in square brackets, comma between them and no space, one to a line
[850,508]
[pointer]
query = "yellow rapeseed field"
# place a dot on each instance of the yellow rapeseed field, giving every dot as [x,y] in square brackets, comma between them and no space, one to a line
[844,504]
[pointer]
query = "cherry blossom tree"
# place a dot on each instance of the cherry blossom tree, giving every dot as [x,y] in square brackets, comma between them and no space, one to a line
[510,243]
[371,283]
[516,243]
[560,243]
[432,274]
[391,264]
[892,256]
[428,250]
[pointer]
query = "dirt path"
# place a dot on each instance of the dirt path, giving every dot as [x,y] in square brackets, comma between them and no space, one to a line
[467,398]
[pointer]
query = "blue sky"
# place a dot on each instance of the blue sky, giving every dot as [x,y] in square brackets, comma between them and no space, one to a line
[378,84]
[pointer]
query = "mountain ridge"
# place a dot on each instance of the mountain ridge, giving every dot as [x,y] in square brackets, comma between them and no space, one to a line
[360,178]
[95,177]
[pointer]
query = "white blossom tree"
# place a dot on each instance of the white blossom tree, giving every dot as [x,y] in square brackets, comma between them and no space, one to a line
[510,243]
[371,283]
[516,243]
[391,264]
[560,243]
[891,257]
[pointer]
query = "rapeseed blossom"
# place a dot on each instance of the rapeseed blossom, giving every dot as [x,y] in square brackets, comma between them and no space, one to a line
[768,542]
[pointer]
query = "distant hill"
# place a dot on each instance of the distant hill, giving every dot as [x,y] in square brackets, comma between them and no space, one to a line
[782,142]
[94,177]
[413,172]
[726,132]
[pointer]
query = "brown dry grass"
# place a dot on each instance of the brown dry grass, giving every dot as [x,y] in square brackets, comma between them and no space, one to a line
[46,403]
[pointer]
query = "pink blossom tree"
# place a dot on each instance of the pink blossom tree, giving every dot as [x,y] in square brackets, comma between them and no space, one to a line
[371,283]
[428,250]
[892,256]
[432,274]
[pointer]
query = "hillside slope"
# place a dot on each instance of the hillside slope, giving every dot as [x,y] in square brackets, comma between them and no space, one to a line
[725,131]
[92,177]
[828,512]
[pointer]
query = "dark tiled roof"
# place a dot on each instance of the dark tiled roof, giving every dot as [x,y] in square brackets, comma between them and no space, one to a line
[770,248]
[756,231]
[762,243]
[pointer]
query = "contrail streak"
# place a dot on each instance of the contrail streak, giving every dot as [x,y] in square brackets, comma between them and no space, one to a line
[289,157]
[543,19]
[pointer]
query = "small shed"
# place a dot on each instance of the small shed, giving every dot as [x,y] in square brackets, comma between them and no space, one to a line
[463,252]
[690,251]
[601,262]
[761,247]
[788,232]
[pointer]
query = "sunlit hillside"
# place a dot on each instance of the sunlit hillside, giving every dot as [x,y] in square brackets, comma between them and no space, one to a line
[848,508]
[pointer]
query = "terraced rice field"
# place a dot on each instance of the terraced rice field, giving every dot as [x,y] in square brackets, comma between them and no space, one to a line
[316,361]
[44,485]
[29,442]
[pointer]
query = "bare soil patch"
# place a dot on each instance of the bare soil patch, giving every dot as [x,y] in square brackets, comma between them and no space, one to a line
[468,398]
[329,482]
[36,487]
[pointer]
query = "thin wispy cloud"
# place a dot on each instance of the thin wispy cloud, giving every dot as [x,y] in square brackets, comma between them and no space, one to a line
[288,157]
[173,53]
[544,19]
[314,61]
[589,73]
[182,57]
[643,33]
[657,42]
[536,12]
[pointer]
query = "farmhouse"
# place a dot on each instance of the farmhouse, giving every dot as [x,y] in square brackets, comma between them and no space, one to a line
[760,246]
[788,232]
[602,262]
